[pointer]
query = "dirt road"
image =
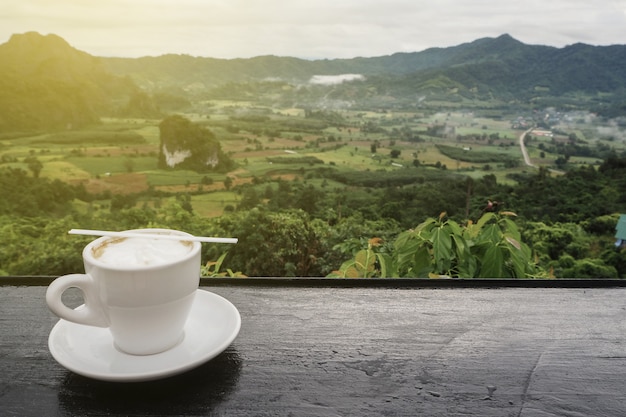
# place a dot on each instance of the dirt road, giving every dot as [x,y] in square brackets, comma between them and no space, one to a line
[523,148]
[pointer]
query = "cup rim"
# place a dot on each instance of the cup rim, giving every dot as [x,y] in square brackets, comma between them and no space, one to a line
[89,258]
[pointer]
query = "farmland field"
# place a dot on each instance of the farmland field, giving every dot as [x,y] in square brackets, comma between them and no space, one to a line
[120,155]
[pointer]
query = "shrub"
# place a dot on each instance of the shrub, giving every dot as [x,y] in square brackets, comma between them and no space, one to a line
[440,247]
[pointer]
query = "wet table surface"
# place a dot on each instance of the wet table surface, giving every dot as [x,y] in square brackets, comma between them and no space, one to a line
[338,351]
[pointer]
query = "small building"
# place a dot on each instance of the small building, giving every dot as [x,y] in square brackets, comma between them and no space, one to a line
[620,234]
[546,133]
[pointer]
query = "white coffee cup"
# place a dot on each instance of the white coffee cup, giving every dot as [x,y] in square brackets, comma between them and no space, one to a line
[144,299]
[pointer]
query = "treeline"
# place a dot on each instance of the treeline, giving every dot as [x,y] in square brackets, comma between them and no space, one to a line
[299,160]
[24,195]
[260,122]
[579,196]
[299,228]
[576,147]
[396,178]
[469,155]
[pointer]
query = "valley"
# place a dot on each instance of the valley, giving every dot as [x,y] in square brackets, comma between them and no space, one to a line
[320,158]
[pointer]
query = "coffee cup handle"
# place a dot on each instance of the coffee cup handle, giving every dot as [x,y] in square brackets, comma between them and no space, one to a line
[91,313]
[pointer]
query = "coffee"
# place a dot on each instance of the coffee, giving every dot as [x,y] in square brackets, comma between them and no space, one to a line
[141,288]
[134,251]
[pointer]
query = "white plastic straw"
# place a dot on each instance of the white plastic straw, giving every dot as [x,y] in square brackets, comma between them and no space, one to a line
[153,236]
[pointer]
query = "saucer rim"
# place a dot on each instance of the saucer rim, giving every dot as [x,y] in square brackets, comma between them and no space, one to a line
[202,296]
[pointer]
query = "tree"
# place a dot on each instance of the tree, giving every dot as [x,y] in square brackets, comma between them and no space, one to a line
[142,105]
[561,161]
[270,244]
[34,165]
[228,182]
[185,202]
[591,268]
[249,199]
[33,196]
[123,201]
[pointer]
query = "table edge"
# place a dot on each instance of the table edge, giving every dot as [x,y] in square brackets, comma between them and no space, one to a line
[366,282]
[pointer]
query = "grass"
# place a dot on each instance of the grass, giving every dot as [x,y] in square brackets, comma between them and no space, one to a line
[64,170]
[98,166]
[174,177]
[105,154]
[213,204]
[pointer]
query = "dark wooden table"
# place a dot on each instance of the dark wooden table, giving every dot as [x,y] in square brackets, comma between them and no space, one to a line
[344,350]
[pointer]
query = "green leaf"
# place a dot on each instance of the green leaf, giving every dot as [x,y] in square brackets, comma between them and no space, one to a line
[422,263]
[462,248]
[386,265]
[426,225]
[352,272]
[492,263]
[365,260]
[513,242]
[442,242]
[511,228]
[520,260]
[454,227]
[442,248]
[405,252]
[467,267]
[484,219]
[491,233]
[405,238]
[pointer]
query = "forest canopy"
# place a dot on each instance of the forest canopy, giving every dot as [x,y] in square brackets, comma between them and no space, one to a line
[297,231]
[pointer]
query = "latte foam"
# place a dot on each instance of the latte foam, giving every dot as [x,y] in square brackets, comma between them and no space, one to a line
[134,251]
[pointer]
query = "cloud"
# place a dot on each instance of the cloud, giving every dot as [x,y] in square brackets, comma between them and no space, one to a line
[335,79]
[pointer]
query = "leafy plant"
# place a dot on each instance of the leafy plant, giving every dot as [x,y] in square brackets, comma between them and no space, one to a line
[440,247]
[367,263]
[436,247]
[212,269]
[498,248]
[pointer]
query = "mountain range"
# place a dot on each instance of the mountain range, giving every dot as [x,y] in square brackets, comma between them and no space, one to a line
[46,83]
[486,60]
[502,65]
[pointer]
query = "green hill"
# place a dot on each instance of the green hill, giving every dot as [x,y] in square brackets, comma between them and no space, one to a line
[499,68]
[483,59]
[47,84]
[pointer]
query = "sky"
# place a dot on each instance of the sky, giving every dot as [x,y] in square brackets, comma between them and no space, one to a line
[309,29]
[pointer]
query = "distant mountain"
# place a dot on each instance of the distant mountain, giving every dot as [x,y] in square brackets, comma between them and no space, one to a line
[46,83]
[574,67]
[502,68]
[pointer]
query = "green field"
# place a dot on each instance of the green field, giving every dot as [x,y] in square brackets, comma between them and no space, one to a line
[121,154]
[213,204]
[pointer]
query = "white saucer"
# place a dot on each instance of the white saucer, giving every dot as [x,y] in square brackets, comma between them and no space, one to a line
[211,327]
